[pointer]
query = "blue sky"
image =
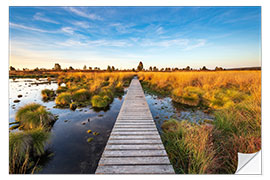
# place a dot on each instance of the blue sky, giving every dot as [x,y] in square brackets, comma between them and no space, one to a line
[123,36]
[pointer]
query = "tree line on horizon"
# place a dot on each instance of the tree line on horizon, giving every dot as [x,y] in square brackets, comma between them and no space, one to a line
[140,67]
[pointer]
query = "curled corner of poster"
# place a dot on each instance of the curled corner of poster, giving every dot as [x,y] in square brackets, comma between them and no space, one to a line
[249,163]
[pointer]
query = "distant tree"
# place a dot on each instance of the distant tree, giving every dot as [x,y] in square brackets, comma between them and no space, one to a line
[204,68]
[162,69]
[57,67]
[218,69]
[84,67]
[90,68]
[187,68]
[36,69]
[109,69]
[96,68]
[155,69]
[140,66]
[113,68]
[133,69]
[150,68]
[71,68]
[11,68]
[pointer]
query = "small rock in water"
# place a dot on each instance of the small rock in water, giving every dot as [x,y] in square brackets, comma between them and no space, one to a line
[16,101]
[88,119]
[156,117]
[19,96]
[65,120]
[100,115]
[90,139]
[83,123]
[95,133]
[89,131]
[80,110]
[72,106]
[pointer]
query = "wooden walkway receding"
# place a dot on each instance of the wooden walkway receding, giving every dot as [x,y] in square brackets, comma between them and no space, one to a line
[134,146]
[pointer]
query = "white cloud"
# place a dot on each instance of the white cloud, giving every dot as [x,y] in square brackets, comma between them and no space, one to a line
[199,43]
[19,26]
[81,13]
[67,30]
[40,17]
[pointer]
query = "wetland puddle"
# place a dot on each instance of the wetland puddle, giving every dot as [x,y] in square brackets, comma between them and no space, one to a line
[71,153]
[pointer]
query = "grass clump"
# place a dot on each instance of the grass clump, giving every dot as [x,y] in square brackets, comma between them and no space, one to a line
[189,147]
[63,99]
[61,89]
[100,101]
[81,95]
[96,89]
[24,150]
[33,116]
[48,94]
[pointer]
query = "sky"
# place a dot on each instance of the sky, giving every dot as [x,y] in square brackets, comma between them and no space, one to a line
[229,37]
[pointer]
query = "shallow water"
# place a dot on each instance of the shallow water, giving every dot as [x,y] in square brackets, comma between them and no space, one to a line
[163,108]
[68,143]
[72,154]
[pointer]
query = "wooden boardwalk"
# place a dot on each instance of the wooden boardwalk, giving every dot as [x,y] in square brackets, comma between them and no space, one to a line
[134,146]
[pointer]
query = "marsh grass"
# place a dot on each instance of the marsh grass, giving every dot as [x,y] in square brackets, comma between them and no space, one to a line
[33,116]
[97,89]
[25,148]
[48,94]
[233,97]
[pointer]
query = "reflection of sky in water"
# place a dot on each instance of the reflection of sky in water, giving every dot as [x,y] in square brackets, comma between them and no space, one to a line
[68,143]
[164,109]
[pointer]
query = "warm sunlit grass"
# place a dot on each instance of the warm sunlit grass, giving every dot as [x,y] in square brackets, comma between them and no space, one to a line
[234,97]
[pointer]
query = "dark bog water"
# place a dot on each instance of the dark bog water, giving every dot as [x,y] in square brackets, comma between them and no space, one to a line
[68,143]
[71,153]
[163,108]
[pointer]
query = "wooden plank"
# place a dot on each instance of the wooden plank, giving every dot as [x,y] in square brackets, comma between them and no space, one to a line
[150,169]
[135,161]
[134,153]
[133,133]
[135,141]
[134,146]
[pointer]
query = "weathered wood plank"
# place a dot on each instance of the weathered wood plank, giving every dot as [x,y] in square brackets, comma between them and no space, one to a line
[134,153]
[134,146]
[135,160]
[135,141]
[150,169]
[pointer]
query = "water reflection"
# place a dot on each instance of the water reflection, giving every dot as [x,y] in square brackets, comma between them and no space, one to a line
[163,108]
[68,142]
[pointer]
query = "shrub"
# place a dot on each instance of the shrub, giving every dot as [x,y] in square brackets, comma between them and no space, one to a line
[33,116]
